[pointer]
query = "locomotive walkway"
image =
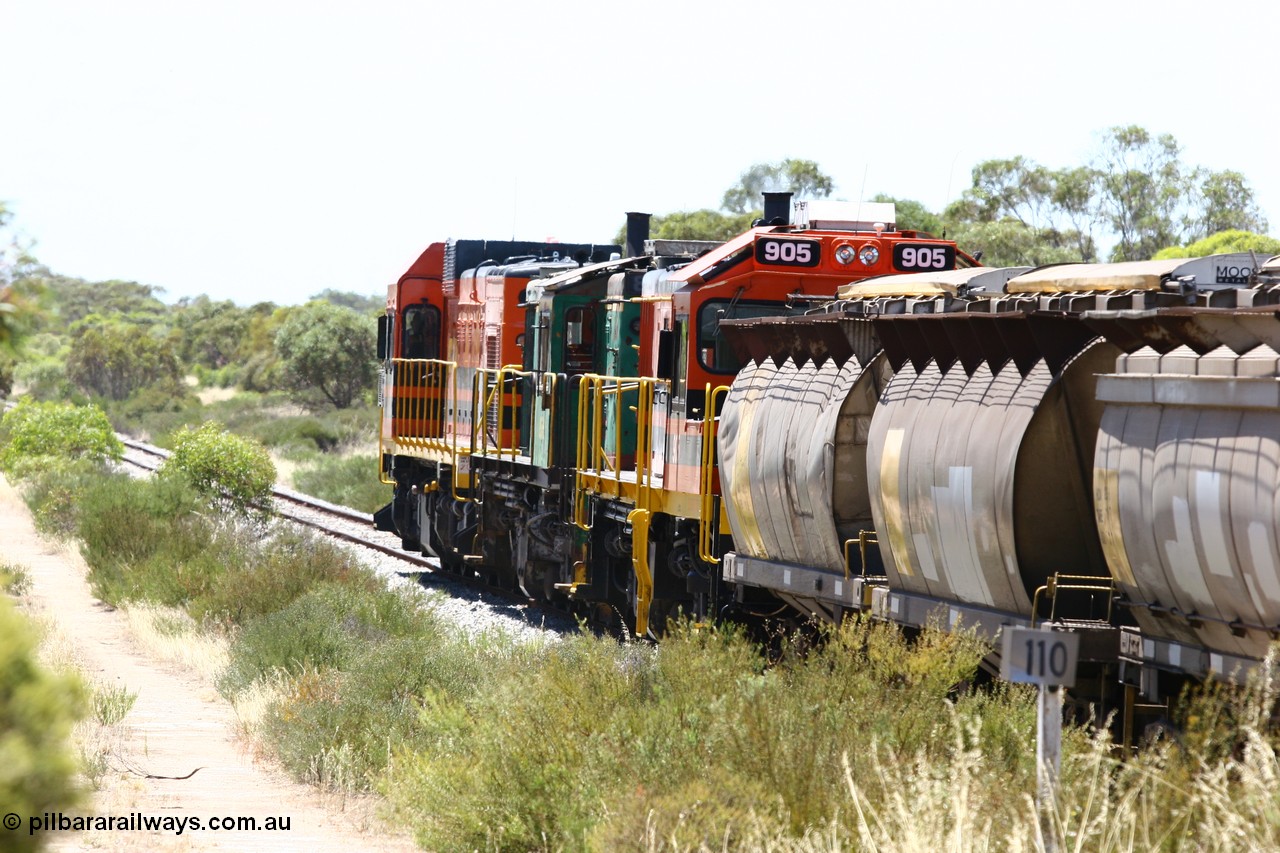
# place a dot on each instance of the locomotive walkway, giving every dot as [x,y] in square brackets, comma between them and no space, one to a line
[178,723]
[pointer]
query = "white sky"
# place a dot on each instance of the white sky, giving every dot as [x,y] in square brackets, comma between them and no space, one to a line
[268,150]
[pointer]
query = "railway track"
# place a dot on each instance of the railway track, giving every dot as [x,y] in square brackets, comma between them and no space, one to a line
[338,521]
[473,607]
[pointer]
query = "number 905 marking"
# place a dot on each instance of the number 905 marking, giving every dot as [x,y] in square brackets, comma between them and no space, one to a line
[908,258]
[789,253]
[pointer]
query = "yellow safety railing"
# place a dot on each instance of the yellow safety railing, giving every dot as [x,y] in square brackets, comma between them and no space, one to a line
[708,511]
[599,474]
[490,395]
[597,471]
[421,421]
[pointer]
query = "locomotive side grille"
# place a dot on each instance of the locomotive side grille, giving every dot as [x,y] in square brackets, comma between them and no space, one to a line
[450,283]
[492,356]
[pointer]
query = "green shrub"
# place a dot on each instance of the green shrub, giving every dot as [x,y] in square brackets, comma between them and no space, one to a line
[296,435]
[37,711]
[15,579]
[260,574]
[144,540]
[34,436]
[161,397]
[367,712]
[54,492]
[589,745]
[221,465]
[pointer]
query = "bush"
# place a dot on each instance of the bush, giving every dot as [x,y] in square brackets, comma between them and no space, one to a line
[145,540]
[35,436]
[591,745]
[259,575]
[37,711]
[296,435]
[161,397]
[221,465]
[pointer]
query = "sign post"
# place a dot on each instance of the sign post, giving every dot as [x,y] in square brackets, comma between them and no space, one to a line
[1046,658]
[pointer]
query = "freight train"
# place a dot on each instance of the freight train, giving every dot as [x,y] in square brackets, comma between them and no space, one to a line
[830,416]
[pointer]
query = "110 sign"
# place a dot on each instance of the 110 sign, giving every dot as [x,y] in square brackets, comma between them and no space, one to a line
[1039,657]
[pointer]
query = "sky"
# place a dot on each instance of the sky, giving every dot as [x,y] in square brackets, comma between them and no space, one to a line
[269,150]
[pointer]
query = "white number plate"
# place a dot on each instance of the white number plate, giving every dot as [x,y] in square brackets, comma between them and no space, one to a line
[788,252]
[911,258]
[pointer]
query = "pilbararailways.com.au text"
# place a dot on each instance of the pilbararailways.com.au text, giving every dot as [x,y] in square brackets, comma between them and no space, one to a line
[139,822]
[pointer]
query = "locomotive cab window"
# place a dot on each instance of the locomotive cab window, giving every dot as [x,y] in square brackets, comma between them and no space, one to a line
[421,332]
[580,339]
[714,352]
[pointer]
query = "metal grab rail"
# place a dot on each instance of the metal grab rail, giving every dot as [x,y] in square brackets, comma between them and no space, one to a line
[1072,583]
[862,540]
[708,516]
[388,378]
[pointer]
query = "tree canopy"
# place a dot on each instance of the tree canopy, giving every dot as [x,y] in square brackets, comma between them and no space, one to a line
[1135,193]
[114,359]
[327,353]
[802,178]
[1232,240]
[364,304]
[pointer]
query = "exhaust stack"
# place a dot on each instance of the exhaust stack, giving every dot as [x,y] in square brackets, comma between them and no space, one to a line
[637,234]
[777,209]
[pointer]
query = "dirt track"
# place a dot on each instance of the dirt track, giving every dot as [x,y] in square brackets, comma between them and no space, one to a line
[177,724]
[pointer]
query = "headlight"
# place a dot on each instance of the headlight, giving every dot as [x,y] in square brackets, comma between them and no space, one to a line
[869,255]
[845,254]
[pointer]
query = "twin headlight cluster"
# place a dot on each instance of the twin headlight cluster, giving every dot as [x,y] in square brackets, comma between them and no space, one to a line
[868,254]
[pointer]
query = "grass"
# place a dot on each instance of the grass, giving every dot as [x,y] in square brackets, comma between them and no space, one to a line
[171,635]
[350,480]
[15,579]
[112,704]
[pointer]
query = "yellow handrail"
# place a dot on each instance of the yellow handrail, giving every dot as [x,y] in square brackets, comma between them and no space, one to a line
[585,383]
[488,386]
[864,538]
[597,472]
[429,373]
[708,518]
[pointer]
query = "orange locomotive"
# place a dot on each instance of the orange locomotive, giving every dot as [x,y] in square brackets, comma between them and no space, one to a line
[658,524]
